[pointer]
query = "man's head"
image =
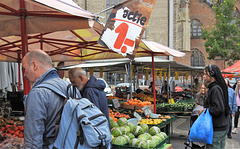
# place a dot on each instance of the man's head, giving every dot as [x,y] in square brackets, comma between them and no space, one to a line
[196,80]
[60,72]
[34,64]
[78,77]
[165,82]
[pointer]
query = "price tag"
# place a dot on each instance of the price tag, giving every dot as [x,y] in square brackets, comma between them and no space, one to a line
[116,103]
[135,114]
[146,110]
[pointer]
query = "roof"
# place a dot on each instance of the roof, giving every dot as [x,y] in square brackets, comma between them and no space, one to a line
[114,65]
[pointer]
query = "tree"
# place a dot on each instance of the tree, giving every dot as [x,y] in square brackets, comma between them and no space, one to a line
[223,39]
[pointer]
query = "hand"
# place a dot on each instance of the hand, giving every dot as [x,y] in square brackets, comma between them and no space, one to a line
[233,114]
[200,111]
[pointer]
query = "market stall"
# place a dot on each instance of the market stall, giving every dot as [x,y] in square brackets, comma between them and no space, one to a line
[138,124]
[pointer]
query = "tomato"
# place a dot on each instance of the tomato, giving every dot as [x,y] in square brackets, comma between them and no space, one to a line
[16,128]
[12,132]
[8,130]
[21,128]
[8,126]
[20,135]
[3,128]
[17,133]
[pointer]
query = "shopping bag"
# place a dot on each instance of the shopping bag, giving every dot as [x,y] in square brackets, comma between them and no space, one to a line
[202,129]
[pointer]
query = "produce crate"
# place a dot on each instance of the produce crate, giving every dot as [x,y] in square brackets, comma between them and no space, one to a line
[151,107]
[129,106]
[159,146]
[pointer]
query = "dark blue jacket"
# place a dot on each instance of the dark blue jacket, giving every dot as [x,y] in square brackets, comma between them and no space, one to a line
[94,91]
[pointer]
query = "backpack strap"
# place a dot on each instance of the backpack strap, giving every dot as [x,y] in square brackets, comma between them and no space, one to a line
[57,91]
[53,88]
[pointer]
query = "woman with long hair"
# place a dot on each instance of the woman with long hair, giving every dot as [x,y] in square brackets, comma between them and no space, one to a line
[217,103]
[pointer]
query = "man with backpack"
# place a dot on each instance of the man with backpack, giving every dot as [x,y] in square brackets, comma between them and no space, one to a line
[42,105]
[92,88]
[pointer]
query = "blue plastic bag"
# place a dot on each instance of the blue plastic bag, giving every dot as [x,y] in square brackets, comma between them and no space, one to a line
[202,129]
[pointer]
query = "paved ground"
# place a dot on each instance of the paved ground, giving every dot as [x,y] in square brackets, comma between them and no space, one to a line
[180,128]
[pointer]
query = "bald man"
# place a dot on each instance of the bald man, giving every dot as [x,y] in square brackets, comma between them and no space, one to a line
[42,105]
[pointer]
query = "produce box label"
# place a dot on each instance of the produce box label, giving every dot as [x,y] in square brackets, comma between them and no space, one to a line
[135,114]
[116,103]
[146,110]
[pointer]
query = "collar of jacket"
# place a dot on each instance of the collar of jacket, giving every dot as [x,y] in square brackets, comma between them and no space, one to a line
[49,74]
[212,84]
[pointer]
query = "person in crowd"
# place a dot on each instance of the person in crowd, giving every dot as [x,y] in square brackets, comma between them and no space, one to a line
[151,88]
[200,96]
[199,103]
[164,88]
[60,72]
[217,103]
[139,90]
[234,86]
[237,92]
[92,88]
[42,106]
[196,88]
[233,107]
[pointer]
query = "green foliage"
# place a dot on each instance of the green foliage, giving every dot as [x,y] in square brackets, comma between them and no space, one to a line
[223,39]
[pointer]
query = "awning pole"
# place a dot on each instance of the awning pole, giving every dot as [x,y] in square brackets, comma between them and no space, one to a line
[130,77]
[19,71]
[154,93]
[24,39]
[169,91]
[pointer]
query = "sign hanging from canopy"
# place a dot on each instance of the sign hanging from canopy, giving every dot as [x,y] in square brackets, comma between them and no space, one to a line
[125,26]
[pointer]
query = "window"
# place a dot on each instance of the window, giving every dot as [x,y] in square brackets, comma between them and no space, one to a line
[197,58]
[112,3]
[196,29]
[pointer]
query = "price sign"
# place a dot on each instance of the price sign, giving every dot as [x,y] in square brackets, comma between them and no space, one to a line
[135,114]
[116,103]
[146,110]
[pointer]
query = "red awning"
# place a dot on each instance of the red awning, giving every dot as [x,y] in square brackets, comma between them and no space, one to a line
[235,68]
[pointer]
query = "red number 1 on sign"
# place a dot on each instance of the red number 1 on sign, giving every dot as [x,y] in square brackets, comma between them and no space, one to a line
[122,29]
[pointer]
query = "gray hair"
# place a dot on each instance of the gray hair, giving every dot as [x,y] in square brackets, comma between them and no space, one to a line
[75,72]
[41,57]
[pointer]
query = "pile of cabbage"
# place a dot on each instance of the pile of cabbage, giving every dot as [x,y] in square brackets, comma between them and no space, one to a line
[141,136]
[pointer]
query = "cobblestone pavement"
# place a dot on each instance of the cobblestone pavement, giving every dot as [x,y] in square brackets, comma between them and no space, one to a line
[179,134]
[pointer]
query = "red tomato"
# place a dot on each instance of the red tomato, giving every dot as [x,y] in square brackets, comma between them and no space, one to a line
[12,132]
[8,126]
[17,132]
[21,128]
[3,128]
[20,135]
[16,128]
